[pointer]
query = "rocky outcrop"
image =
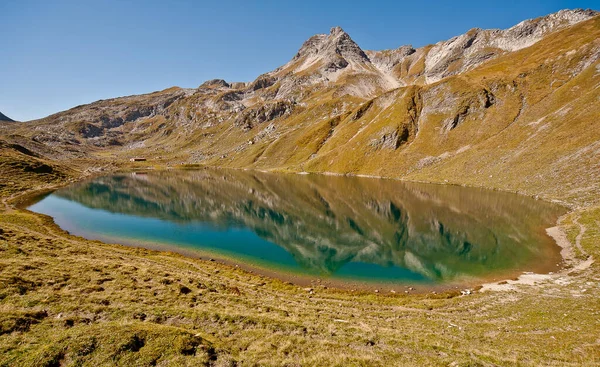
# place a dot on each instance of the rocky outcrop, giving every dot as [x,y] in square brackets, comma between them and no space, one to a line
[388,59]
[391,138]
[105,118]
[215,83]
[262,82]
[267,112]
[336,48]
[531,31]
[471,49]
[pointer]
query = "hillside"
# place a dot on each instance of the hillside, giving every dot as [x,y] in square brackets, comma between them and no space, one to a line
[485,108]
[515,109]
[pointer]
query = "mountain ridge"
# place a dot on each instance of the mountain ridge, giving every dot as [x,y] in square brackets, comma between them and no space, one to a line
[395,56]
[524,121]
[457,111]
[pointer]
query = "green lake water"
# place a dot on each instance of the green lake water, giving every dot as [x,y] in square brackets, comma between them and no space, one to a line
[316,226]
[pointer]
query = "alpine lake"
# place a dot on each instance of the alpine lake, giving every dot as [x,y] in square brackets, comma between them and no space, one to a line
[339,230]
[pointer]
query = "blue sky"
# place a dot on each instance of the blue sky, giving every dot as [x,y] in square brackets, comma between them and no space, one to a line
[59,54]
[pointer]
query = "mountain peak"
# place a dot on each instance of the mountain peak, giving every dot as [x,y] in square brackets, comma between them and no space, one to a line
[336,30]
[336,47]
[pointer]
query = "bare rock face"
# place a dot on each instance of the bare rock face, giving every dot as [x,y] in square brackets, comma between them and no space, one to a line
[328,59]
[333,51]
[530,31]
[267,112]
[388,59]
[215,83]
[471,49]
[262,82]
[391,138]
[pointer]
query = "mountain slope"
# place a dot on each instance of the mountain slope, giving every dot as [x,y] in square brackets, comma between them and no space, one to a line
[3,117]
[513,109]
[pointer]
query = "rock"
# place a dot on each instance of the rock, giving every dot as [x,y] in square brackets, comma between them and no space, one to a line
[263,81]
[336,45]
[391,138]
[469,50]
[215,83]
[263,113]
[388,59]
[238,85]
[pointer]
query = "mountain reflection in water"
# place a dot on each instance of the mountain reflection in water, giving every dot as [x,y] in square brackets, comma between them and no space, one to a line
[345,227]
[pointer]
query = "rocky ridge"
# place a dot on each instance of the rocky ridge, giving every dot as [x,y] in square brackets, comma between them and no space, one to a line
[471,49]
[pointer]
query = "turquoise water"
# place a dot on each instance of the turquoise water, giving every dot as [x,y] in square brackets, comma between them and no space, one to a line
[340,228]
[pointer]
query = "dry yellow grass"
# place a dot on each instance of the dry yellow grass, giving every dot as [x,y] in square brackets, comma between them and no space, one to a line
[68,301]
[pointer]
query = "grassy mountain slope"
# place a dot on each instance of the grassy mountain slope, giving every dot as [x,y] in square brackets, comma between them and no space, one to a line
[495,125]
[526,121]
[68,301]
[520,116]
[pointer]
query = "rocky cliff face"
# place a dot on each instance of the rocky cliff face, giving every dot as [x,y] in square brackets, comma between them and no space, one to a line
[483,108]
[329,52]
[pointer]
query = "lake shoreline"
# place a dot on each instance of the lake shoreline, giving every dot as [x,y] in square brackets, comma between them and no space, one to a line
[28,199]
[234,309]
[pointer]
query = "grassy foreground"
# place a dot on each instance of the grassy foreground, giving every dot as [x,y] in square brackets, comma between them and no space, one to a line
[67,301]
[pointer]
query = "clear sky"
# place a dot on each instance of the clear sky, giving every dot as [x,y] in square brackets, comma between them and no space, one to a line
[57,54]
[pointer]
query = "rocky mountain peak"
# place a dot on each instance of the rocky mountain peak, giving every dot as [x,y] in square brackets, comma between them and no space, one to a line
[336,47]
[336,30]
[324,59]
[215,83]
